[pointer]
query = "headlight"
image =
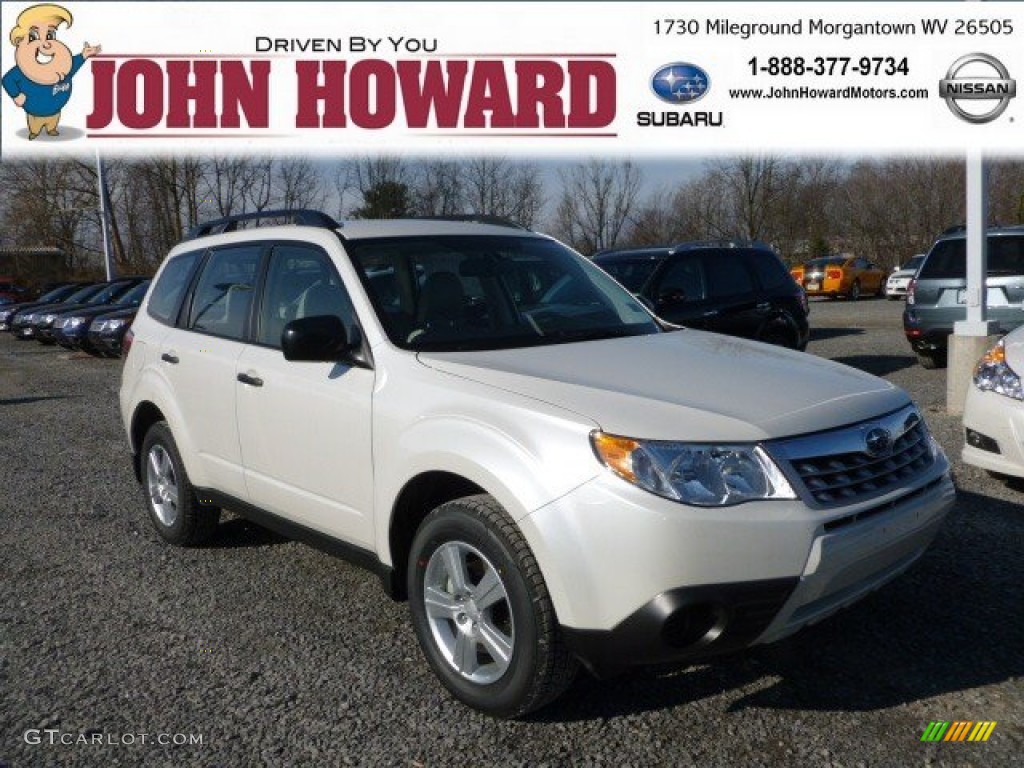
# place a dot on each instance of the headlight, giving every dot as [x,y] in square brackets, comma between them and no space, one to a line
[117,323]
[73,322]
[705,475]
[994,374]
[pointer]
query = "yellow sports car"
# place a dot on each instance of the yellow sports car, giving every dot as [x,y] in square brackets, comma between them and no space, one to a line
[850,276]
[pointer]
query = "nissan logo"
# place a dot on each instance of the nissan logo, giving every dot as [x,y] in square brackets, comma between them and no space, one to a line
[878,442]
[970,79]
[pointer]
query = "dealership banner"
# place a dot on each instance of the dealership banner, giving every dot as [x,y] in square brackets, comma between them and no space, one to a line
[571,77]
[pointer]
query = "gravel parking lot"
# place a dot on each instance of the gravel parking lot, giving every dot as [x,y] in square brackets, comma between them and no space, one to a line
[258,650]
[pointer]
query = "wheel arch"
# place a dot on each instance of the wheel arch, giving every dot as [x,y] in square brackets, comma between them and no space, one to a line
[417,499]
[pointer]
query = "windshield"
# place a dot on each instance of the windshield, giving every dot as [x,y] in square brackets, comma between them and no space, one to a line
[133,297]
[81,295]
[57,294]
[827,261]
[453,293]
[110,290]
[948,259]
[914,264]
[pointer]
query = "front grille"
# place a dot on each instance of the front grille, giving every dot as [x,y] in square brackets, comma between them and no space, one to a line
[832,474]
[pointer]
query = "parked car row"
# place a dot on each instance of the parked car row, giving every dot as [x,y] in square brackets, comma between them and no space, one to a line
[89,316]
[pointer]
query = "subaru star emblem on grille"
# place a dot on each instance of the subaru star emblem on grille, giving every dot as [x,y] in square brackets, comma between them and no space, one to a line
[878,442]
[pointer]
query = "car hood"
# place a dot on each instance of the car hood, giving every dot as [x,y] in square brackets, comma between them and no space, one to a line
[684,385]
[107,314]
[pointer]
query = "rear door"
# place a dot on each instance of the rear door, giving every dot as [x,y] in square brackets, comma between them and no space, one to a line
[199,358]
[734,305]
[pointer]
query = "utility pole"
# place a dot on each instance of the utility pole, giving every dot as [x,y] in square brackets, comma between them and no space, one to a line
[108,256]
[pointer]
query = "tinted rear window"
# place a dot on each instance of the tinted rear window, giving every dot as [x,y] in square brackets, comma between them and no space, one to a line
[770,270]
[948,259]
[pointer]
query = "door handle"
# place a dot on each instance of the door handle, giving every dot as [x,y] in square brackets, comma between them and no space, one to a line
[252,381]
[711,313]
[764,306]
[169,357]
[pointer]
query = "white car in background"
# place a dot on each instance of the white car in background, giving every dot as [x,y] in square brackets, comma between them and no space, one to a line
[899,281]
[994,411]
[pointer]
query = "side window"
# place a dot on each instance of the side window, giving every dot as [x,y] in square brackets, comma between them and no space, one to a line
[860,263]
[301,282]
[682,281]
[166,299]
[224,293]
[727,275]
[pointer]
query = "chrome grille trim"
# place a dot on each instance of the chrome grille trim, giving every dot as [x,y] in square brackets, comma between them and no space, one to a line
[835,468]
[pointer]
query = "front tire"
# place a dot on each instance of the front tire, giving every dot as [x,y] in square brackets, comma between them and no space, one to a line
[482,613]
[174,509]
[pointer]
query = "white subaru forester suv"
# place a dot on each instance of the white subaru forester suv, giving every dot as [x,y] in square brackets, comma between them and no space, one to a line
[550,474]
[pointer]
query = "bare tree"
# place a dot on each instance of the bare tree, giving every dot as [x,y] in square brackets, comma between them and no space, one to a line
[438,190]
[598,198]
[298,184]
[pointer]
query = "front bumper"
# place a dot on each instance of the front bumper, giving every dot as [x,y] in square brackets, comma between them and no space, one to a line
[999,419]
[640,580]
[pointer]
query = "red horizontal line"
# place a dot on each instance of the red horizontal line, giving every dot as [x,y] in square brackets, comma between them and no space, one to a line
[187,56]
[523,55]
[149,135]
[519,135]
[293,55]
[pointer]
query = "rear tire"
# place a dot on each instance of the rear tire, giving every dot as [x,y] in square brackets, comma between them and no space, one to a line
[482,613]
[855,290]
[174,509]
[931,362]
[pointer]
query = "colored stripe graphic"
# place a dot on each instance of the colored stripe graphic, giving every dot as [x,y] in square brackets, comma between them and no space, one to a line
[935,731]
[982,731]
[959,730]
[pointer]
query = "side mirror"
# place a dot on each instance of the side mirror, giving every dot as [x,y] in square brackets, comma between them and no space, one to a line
[321,338]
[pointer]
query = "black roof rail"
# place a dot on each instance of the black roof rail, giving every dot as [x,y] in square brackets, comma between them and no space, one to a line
[954,230]
[299,216]
[475,218]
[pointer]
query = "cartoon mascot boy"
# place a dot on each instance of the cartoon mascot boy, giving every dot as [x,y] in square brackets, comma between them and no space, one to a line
[40,83]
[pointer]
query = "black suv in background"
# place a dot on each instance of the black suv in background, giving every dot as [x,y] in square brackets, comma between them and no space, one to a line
[936,297]
[741,289]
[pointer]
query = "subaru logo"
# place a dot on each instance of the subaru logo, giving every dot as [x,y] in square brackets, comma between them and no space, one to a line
[680,83]
[970,79]
[878,442]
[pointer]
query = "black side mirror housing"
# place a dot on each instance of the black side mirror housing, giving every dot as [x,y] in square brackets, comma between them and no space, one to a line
[321,338]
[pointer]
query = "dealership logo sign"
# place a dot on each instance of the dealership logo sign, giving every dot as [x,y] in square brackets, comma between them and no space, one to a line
[680,83]
[970,79]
